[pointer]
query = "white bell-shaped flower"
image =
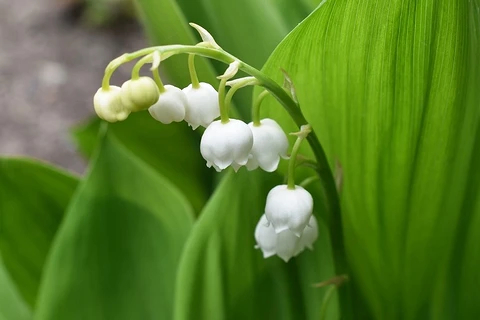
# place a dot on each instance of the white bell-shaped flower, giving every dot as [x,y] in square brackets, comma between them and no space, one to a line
[170,106]
[283,244]
[139,94]
[108,104]
[202,105]
[269,144]
[225,144]
[289,209]
[308,237]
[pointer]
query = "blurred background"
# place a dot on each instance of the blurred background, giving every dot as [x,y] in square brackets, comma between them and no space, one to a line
[52,57]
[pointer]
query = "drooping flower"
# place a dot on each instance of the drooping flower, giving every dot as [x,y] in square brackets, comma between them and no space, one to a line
[225,144]
[139,94]
[202,105]
[170,106]
[269,144]
[284,244]
[309,236]
[289,209]
[108,104]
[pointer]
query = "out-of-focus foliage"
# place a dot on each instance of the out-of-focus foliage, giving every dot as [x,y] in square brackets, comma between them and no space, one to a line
[172,150]
[33,198]
[116,254]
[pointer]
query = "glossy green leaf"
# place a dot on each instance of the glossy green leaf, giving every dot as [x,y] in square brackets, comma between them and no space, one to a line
[173,150]
[116,254]
[222,276]
[391,88]
[33,198]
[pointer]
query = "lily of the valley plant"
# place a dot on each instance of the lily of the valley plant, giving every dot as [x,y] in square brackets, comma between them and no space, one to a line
[287,226]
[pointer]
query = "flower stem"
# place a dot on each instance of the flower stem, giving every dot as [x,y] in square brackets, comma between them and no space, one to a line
[304,131]
[136,68]
[158,80]
[256,107]
[326,299]
[193,71]
[221,102]
[238,84]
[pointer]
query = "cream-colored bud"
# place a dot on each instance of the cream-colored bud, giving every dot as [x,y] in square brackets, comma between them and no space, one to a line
[139,94]
[108,104]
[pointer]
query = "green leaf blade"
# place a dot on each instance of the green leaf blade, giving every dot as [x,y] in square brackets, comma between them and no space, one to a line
[386,87]
[172,150]
[33,198]
[118,249]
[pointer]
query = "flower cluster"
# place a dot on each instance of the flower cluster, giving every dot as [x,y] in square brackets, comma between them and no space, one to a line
[288,226]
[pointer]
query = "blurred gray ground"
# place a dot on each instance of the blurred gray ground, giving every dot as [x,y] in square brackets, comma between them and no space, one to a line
[49,70]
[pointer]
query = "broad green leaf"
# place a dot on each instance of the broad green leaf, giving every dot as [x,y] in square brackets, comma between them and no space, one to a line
[33,198]
[12,305]
[391,88]
[173,150]
[116,254]
[222,276]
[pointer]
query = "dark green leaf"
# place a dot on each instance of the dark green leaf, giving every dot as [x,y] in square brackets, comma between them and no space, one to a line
[117,251]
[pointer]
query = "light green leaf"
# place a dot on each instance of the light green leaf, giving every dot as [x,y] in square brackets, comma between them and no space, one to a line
[173,150]
[12,305]
[391,88]
[116,254]
[222,276]
[33,198]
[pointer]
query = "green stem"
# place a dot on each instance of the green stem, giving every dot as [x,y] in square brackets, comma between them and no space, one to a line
[291,162]
[333,219]
[234,88]
[309,180]
[193,71]
[158,80]
[326,299]
[221,102]
[136,68]
[256,107]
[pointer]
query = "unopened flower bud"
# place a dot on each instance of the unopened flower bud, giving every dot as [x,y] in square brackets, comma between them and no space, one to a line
[225,144]
[108,104]
[170,106]
[289,209]
[139,94]
[269,144]
[202,105]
